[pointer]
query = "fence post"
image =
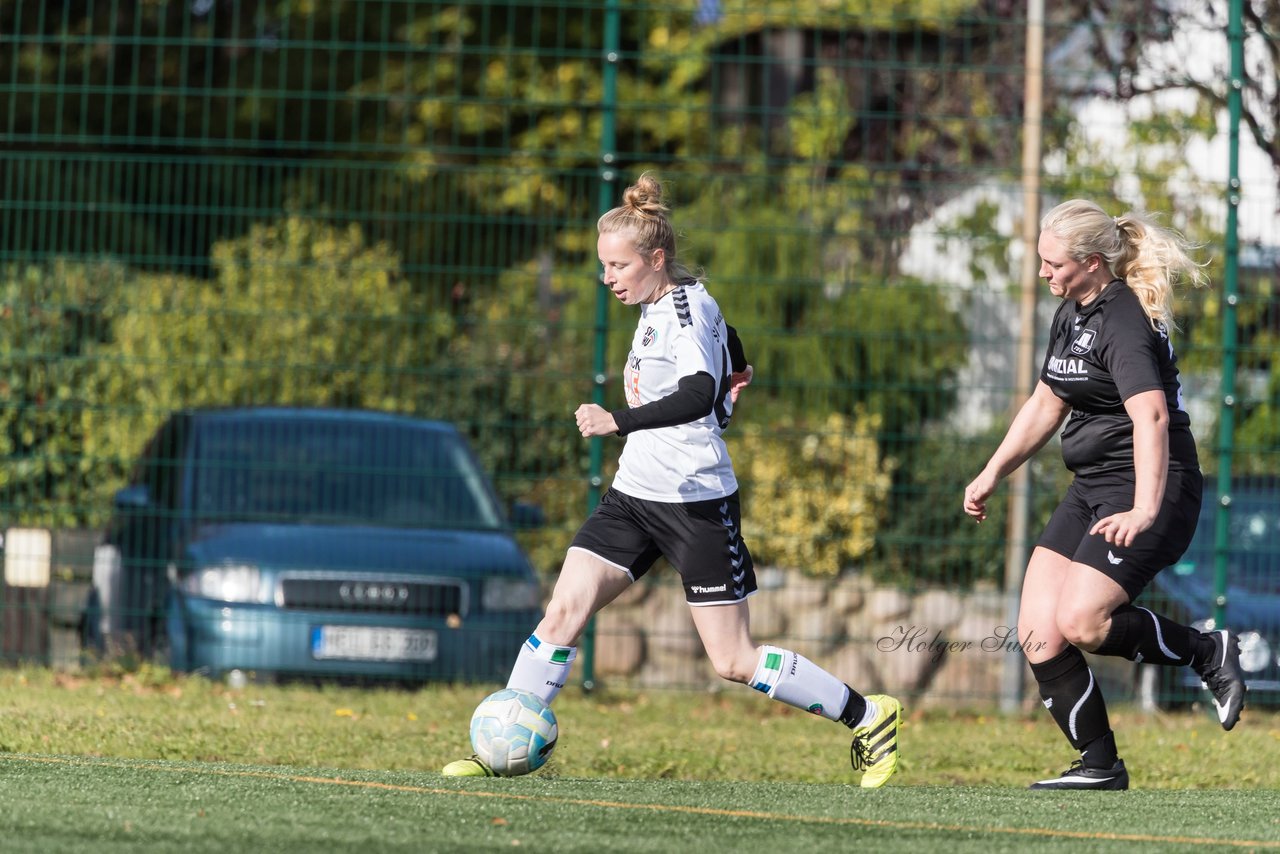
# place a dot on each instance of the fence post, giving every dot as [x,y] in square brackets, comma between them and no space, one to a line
[1020,482]
[1230,297]
[605,200]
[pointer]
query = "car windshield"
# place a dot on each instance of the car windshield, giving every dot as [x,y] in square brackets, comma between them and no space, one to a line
[336,471]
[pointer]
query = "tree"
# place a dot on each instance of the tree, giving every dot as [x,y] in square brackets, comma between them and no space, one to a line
[926,538]
[51,319]
[510,376]
[291,318]
[815,493]
[1137,48]
[449,154]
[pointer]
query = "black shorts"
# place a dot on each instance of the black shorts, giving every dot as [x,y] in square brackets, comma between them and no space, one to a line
[1132,567]
[701,539]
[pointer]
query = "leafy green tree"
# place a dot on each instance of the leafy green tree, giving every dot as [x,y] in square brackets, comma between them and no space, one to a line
[1256,416]
[785,252]
[462,142]
[1128,69]
[51,318]
[814,495]
[512,374]
[927,538]
[299,313]
[493,110]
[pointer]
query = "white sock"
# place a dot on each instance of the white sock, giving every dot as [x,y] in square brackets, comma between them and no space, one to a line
[791,678]
[542,668]
[869,715]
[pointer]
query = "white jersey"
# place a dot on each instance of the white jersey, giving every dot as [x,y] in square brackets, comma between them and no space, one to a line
[678,336]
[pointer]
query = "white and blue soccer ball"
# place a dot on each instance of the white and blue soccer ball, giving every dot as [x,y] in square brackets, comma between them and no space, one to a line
[513,732]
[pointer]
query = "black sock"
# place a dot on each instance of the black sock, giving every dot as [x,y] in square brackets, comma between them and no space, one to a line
[1206,652]
[1073,697]
[1141,635]
[1101,752]
[854,709]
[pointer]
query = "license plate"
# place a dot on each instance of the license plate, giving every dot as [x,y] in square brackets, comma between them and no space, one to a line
[363,643]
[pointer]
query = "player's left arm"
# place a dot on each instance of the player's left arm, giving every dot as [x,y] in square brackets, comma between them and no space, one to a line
[737,355]
[741,372]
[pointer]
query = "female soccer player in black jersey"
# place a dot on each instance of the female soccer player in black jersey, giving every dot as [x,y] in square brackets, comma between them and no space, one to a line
[676,496]
[1111,374]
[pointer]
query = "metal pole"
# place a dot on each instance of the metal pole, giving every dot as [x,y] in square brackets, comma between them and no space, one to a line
[606,198]
[1020,482]
[1230,297]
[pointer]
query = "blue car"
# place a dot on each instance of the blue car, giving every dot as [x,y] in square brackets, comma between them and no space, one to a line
[1185,591]
[313,543]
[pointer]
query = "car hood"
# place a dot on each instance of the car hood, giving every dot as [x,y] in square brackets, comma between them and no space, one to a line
[347,548]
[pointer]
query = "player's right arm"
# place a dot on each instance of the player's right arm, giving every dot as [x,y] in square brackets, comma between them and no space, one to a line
[693,399]
[697,394]
[1036,422]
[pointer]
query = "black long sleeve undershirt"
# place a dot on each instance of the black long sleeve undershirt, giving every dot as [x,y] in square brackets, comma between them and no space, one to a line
[692,399]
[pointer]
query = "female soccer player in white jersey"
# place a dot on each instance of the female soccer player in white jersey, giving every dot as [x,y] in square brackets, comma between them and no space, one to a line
[676,496]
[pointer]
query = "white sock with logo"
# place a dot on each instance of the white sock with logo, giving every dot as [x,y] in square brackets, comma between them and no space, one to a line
[791,678]
[542,668]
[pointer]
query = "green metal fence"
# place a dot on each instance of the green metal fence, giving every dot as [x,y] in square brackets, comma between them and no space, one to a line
[390,206]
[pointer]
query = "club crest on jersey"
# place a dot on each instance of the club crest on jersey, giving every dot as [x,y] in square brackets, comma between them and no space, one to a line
[1084,343]
[650,335]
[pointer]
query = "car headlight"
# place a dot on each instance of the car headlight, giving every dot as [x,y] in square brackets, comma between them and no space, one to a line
[506,593]
[232,582]
[1255,652]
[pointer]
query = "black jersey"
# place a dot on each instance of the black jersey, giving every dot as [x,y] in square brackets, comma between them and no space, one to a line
[1099,356]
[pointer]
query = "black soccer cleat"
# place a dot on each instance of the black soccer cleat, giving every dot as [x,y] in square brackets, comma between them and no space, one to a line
[1080,776]
[1223,678]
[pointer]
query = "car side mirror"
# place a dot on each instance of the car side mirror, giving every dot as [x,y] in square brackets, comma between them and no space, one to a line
[527,517]
[134,497]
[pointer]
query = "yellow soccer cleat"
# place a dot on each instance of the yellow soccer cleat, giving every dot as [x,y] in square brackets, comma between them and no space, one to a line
[875,746]
[471,767]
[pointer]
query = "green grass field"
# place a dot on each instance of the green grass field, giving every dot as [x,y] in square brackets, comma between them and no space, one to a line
[146,762]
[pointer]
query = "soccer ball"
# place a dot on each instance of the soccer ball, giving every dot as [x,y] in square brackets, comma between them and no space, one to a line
[513,732]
